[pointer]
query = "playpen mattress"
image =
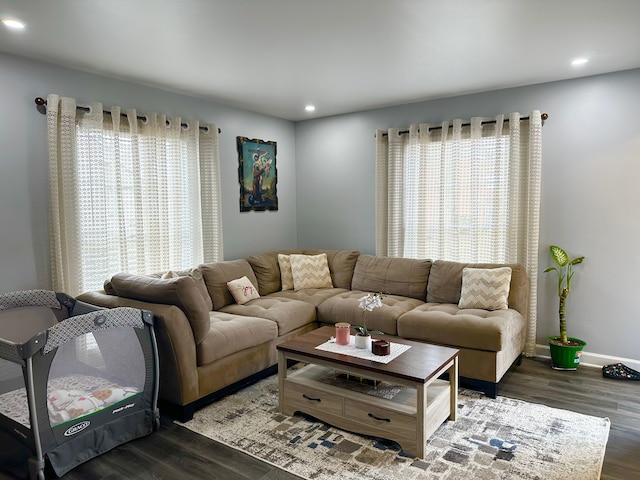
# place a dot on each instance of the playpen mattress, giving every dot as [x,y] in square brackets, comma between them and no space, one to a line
[68,397]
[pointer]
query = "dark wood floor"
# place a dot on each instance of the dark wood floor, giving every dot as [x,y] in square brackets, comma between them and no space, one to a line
[175,452]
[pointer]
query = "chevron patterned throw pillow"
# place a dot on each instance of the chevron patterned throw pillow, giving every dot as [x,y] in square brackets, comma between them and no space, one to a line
[286,277]
[310,271]
[485,288]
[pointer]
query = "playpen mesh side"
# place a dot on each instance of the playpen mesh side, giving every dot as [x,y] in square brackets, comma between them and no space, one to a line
[92,379]
[83,324]
[94,371]
[98,363]
[13,396]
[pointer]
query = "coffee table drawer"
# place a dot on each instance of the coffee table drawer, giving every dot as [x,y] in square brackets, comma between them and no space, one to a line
[308,399]
[380,418]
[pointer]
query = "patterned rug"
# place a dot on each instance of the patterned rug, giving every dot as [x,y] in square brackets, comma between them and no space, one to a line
[498,438]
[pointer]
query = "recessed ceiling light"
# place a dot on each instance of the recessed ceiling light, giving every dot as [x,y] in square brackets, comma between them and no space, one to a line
[13,23]
[579,61]
[310,108]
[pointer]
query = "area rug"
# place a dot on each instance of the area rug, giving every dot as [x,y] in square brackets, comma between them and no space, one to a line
[498,438]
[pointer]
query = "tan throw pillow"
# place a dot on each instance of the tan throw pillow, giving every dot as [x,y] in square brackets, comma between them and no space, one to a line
[286,276]
[242,290]
[196,274]
[179,291]
[310,271]
[485,288]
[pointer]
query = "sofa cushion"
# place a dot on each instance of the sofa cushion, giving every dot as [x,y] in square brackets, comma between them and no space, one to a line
[232,333]
[242,290]
[310,271]
[446,324]
[445,283]
[485,288]
[216,275]
[341,265]
[406,277]
[179,291]
[314,296]
[267,271]
[286,313]
[345,307]
[286,275]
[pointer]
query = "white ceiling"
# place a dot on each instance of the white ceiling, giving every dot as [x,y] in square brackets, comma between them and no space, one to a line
[276,56]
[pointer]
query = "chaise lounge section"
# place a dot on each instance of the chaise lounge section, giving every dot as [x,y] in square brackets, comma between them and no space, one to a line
[490,341]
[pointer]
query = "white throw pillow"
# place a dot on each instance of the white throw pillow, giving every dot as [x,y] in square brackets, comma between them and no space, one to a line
[485,288]
[242,290]
[286,277]
[310,271]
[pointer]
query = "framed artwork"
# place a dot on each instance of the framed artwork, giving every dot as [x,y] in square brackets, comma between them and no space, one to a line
[257,174]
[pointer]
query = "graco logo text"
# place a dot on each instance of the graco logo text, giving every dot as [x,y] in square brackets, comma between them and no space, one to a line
[77,428]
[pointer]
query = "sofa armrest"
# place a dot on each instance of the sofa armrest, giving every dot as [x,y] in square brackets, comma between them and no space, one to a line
[176,345]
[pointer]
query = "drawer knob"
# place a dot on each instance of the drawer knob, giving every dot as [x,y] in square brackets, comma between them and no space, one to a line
[378,418]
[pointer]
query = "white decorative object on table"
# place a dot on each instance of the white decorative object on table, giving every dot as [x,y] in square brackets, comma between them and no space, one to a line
[363,341]
[363,336]
[371,301]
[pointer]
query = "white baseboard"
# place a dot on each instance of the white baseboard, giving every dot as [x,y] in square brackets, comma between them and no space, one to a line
[592,359]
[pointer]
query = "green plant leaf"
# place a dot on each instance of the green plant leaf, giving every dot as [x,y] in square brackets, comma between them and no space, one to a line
[576,261]
[360,330]
[559,255]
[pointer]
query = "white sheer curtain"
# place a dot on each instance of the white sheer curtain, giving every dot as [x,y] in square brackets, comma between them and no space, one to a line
[463,191]
[132,195]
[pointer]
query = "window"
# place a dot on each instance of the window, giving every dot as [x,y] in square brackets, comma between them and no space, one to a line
[129,193]
[452,200]
[465,192]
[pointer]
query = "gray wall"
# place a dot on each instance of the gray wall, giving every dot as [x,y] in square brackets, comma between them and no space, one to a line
[24,200]
[590,193]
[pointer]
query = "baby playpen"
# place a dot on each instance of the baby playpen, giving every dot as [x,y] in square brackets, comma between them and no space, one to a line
[75,380]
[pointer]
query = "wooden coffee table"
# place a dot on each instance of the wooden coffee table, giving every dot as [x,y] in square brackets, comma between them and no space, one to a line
[409,418]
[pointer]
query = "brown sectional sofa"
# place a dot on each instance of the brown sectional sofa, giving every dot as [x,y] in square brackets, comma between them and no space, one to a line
[209,345]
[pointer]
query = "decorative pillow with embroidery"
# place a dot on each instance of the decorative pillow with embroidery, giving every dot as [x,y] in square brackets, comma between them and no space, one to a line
[310,271]
[286,276]
[242,290]
[485,288]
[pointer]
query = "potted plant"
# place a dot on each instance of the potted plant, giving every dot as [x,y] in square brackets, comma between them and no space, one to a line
[363,334]
[565,351]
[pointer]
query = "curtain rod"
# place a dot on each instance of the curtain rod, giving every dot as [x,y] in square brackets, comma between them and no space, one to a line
[543,116]
[41,102]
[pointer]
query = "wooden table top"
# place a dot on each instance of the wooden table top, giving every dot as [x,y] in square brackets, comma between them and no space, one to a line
[418,364]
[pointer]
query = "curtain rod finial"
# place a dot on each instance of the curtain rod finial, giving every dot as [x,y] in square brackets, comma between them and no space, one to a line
[544,116]
[41,105]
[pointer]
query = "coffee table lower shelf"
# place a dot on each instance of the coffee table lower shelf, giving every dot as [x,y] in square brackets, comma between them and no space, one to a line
[397,419]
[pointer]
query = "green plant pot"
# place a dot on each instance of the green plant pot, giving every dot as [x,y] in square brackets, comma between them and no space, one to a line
[565,357]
